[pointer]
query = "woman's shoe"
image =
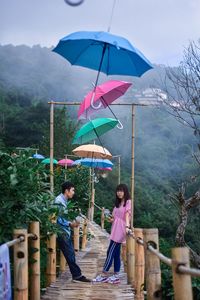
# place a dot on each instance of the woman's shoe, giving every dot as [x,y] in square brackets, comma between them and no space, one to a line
[100,278]
[114,279]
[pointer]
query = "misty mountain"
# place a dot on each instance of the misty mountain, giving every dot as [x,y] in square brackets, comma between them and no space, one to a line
[44,74]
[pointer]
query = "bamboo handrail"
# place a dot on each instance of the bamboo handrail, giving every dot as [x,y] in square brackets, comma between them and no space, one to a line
[20,239]
[168,261]
[101,209]
[15,241]
[189,271]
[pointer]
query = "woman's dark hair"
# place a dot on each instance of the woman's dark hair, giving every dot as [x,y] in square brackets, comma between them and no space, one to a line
[66,186]
[124,188]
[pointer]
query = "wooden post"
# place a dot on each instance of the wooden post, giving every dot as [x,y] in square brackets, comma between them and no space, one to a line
[92,205]
[181,282]
[35,266]
[76,238]
[21,266]
[139,266]
[62,262]
[130,248]
[152,266]
[132,164]
[51,146]
[84,238]
[124,257]
[51,259]
[102,218]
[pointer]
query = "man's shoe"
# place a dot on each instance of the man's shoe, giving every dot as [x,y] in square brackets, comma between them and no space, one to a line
[81,279]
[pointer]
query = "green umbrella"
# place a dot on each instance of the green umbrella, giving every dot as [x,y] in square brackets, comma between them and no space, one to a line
[47,161]
[94,129]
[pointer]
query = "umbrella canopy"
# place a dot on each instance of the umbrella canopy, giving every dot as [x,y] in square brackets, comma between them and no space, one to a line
[105,94]
[94,129]
[92,151]
[65,162]
[47,161]
[105,169]
[94,163]
[103,51]
[38,156]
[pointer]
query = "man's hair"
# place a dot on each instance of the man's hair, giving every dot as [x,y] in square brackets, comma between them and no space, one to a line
[66,186]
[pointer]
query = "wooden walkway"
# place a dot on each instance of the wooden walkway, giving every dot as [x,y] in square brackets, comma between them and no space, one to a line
[91,262]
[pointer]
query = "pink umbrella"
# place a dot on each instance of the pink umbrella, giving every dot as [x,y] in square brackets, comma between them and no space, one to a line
[102,96]
[65,162]
[105,169]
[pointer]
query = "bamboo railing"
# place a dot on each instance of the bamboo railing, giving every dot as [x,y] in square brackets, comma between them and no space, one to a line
[142,263]
[27,284]
[142,256]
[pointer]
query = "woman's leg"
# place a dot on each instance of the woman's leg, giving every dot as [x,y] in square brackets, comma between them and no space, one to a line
[110,256]
[117,258]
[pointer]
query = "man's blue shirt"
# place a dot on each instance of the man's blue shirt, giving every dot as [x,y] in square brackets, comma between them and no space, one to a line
[61,201]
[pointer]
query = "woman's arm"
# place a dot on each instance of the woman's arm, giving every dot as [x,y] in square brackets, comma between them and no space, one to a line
[127,221]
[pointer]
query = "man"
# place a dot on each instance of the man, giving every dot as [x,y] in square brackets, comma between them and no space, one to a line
[64,239]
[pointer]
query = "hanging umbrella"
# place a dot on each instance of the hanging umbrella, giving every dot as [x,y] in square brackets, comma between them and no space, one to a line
[105,94]
[47,161]
[104,52]
[94,163]
[38,156]
[105,169]
[65,162]
[92,151]
[94,129]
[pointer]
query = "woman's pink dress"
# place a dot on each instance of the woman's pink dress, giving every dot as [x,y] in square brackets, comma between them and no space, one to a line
[118,230]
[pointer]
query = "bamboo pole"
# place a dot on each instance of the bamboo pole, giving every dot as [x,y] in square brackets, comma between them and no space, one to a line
[92,204]
[130,248]
[62,262]
[152,266]
[51,259]
[21,266]
[76,238]
[84,238]
[119,169]
[90,194]
[181,282]
[34,228]
[132,164]
[102,218]
[124,257]
[139,266]
[51,145]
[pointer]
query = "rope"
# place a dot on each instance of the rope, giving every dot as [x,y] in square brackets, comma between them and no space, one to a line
[111,16]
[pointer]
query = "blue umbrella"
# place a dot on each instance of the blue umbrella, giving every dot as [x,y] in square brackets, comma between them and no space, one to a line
[94,163]
[103,51]
[38,156]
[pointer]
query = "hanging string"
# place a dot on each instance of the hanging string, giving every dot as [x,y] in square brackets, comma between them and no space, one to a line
[111,16]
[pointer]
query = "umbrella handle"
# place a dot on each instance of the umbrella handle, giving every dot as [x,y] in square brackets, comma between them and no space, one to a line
[120,125]
[92,103]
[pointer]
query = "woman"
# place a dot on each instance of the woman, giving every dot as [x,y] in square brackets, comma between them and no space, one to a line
[120,226]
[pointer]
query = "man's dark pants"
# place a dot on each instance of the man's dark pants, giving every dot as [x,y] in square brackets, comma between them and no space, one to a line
[66,246]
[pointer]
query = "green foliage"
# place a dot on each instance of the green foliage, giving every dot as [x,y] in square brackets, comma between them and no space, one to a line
[24,194]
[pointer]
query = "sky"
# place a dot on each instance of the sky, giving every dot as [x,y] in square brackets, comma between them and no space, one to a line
[159,29]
